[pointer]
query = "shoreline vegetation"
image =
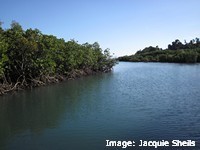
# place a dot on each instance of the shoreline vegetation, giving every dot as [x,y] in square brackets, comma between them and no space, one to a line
[176,52]
[29,58]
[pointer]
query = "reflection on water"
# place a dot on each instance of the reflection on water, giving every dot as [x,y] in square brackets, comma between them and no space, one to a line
[135,101]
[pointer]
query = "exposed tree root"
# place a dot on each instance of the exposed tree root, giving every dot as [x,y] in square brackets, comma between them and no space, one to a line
[43,80]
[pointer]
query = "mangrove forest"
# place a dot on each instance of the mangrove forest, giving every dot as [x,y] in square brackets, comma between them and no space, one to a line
[177,52]
[29,58]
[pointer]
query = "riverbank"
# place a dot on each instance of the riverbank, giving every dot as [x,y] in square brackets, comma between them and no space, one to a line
[6,87]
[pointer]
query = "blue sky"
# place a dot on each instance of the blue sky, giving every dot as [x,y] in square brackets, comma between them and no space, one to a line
[124,26]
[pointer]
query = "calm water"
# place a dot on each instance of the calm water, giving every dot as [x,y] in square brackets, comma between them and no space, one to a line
[137,101]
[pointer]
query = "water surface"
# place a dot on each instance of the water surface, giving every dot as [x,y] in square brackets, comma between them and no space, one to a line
[137,101]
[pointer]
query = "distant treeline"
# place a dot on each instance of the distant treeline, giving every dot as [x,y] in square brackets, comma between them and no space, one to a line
[176,52]
[29,58]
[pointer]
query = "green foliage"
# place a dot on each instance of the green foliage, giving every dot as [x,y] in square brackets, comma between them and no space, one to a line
[176,52]
[26,55]
[3,56]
